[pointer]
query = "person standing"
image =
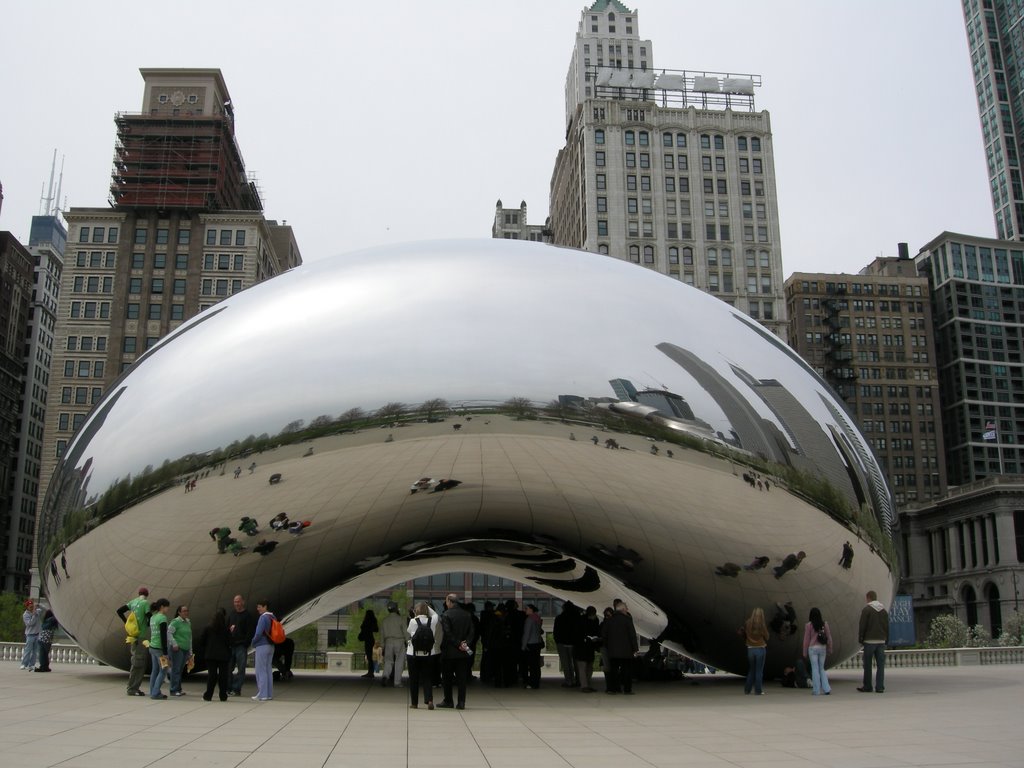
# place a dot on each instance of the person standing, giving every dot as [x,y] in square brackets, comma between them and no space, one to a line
[817,644]
[139,605]
[180,630]
[392,632]
[456,651]
[366,631]
[264,647]
[215,642]
[755,632]
[33,619]
[159,643]
[531,646]
[421,659]
[873,634]
[46,630]
[585,642]
[566,630]
[619,637]
[241,625]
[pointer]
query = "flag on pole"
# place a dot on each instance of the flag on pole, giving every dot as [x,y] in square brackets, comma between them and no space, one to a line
[989,435]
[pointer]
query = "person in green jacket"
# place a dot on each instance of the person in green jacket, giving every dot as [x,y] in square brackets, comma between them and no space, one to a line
[138,605]
[180,636]
[159,643]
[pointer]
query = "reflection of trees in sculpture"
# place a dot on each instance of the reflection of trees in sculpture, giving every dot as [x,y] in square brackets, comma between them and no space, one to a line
[519,407]
[292,426]
[351,416]
[324,420]
[391,411]
[432,406]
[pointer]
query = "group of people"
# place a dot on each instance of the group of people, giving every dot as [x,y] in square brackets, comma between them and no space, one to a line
[873,634]
[40,624]
[439,648]
[163,645]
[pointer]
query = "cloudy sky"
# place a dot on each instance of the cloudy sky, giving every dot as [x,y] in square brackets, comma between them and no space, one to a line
[380,122]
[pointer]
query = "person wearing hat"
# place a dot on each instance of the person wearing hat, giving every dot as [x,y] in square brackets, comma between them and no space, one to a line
[393,633]
[33,618]
[140,654]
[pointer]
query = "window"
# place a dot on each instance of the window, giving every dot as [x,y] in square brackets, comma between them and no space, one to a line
[239,237]
[757,165]
[135,285]
[140,236]
[741,143]
[161,236]
[722,186]
[673,255]
[239,262]
[83,234]
[745,167]
[630,183]
[602,205]
[130,344]
[644,138]
[631,159]
[602,227]
[600,181]
[705,141]
[633,229]
[705,164]
[223,261]
[648,254]
[155,311]
[177,311]
[221,288]
[181,261]
[680,139]
[634,254]
[599,136]
[670,183]
[645,183]
[112,233]
[138,260]
[183,236]
[97,234]
[630,138]
[631,206]
[211,237]
[755,144]
[681,162]
[666,139]
[225,237]
[159,260]
[157,285]
[710,231]
[719,165]
[645,206]
[599,158]
[669,162]
[132,312]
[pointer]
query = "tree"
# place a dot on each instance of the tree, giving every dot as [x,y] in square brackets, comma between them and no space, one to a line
[520,407]
[948,631]
[321,421]
[391,411]
[292,426]
[1013,630]
[352,415]
[12,628]
[434,405]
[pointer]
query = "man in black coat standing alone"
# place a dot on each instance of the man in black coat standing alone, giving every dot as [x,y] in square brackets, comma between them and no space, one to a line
[456,651]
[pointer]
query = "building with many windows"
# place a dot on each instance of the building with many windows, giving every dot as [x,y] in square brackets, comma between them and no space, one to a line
[185,229]
[510,224]
[669,169]
[995,37]
[870,336]
[977,290]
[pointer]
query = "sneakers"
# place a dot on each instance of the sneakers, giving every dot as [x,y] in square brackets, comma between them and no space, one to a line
[136,692]
[233,693]
[159,696]
[177,693]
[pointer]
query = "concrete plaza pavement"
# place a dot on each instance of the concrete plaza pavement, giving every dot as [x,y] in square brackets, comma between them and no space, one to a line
[78,716]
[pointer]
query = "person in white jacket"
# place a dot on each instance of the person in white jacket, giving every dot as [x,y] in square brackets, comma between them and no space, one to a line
[420,660]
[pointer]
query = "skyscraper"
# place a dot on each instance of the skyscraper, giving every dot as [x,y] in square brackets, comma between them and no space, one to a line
[670,169]
[185,229]
[995,37]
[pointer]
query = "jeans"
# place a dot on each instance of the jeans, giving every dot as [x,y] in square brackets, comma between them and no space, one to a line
[455,670]
[239,654]
[156,672]
[874,652]
[44,657]
[31,652]
[178,659]
[421,674]
[394,660]
[264,675]
[532,667]
[568,664]
[819,677]
[755,670]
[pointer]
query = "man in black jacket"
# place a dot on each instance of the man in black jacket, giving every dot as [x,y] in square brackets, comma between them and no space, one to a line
[242,625]
[456,651]
[619,637]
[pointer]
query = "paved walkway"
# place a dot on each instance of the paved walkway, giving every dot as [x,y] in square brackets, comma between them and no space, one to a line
[79,716]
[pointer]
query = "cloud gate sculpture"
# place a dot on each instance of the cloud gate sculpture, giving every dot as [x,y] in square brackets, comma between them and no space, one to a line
[615,433]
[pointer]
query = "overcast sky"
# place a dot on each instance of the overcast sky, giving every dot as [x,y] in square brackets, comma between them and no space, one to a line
[380,122]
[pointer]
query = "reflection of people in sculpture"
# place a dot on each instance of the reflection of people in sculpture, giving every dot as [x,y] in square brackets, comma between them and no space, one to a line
[790,563]
[846,560]
[757,563]
[433,485]
[264,547]
[223,538]
[611,443]
[728,569]
[279,522]
[298,526]
[238,471]
[309,451]
[248,526]
[594,440]
[654,450]
[282,660]
[784,621]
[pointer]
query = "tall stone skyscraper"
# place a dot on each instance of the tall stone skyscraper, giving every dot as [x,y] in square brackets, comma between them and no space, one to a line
[185,229]
[995,37]
[670,169]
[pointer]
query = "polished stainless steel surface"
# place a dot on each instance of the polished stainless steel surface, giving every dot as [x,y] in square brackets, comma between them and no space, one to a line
[615,434]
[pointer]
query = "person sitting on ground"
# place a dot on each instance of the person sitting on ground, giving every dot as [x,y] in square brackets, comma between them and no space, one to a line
[248,526]
[264,547]
[279,522]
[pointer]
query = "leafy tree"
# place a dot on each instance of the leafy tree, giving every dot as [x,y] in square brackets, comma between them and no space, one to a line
[305,638]
[12,629]
[948,631]
[1013,630]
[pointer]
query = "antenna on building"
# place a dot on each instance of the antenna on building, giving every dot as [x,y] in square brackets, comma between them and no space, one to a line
[49,203]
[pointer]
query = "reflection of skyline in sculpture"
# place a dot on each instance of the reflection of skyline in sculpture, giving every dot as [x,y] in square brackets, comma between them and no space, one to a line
[635,523]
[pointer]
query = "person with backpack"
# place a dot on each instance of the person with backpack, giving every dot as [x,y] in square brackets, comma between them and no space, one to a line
[421,654]
[817,644]
[140,662]
[263,645]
